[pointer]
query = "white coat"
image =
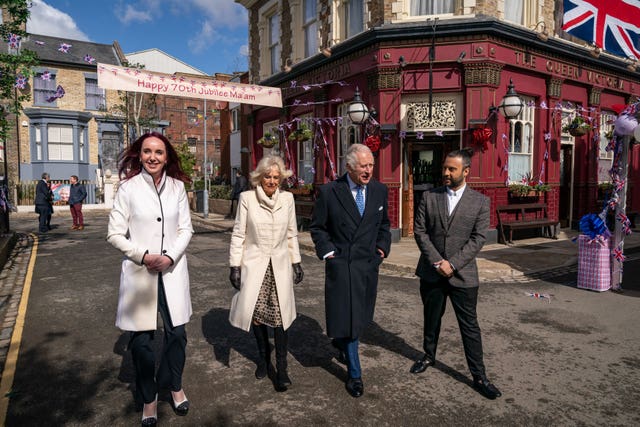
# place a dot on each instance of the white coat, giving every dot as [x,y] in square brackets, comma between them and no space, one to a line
[158,221]
[262,233]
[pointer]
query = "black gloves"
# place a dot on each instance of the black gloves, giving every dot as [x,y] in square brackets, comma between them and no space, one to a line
[234,277]
[298,273]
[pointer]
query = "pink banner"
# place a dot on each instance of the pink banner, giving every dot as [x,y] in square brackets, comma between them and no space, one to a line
[140,80]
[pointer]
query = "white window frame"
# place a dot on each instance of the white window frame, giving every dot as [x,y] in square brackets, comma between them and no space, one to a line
[348,133]
[526,123]
[269,9]
[411,4]
[341,18]
[531,10]
[310,28]
[273,42]
[59,145]
[305,162]
[605,158]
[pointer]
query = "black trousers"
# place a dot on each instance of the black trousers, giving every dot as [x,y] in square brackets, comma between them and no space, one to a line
[464,301]
[44,217]
[172,359]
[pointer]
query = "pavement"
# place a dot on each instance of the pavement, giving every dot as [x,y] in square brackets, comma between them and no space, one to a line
[523,260]
[569,359]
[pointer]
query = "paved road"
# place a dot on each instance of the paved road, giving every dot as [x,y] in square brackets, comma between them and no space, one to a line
[571,361]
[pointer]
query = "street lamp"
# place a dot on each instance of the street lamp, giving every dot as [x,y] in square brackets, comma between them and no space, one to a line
[357,110]
[512,104]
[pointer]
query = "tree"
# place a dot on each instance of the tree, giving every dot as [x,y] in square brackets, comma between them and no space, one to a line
[15,69]
[187,158]
[138,109]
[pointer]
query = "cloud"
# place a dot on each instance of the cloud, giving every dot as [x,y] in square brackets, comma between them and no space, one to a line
[46,20]
[142,11]
[203,39]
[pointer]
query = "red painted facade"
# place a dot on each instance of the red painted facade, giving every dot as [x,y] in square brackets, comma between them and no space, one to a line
[480,81]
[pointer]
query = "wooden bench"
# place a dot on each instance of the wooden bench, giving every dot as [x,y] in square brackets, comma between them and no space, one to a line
[524,216]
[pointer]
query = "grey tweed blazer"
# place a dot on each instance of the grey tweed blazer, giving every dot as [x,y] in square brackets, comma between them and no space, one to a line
[457,237]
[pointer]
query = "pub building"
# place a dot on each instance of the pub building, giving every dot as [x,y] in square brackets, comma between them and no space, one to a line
[435,87]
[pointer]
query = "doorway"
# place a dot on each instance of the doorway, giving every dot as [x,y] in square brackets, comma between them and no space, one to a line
[423,166]
[566,185]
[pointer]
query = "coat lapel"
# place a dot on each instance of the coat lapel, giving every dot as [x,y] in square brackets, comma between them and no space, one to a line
[344,196]
[443,208]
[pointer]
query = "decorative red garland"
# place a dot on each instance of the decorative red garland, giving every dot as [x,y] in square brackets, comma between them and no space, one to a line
[373,142]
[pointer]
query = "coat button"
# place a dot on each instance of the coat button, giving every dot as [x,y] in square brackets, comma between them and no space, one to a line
[159,219]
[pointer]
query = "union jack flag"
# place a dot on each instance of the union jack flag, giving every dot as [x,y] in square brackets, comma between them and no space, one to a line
[612,25]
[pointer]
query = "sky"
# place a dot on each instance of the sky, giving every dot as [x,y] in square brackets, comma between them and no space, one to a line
[210,35]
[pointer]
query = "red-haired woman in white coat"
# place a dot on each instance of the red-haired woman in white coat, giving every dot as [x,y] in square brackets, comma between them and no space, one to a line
[151,225]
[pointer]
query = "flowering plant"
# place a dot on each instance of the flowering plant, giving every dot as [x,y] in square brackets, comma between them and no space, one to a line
[527,185]
[268,140]
[373,142]
[577,126]
[302,133]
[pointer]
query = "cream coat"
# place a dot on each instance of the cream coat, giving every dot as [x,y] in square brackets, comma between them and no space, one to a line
[158,221]
[260,234]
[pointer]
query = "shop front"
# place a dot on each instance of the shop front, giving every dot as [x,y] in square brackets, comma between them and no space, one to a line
[430,105]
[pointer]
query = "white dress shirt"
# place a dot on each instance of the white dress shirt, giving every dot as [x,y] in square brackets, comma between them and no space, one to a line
[453,197]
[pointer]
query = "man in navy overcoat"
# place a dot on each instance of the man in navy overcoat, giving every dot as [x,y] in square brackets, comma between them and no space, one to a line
[350,230]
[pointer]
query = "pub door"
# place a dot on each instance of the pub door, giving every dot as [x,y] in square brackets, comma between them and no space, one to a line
[566,185]
[423,171]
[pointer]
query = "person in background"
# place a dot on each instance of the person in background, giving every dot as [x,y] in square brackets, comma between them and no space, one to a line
[264,260]
[150,223]
[238,187]
[77,194]
[450,229]
[44,203]
[350,230]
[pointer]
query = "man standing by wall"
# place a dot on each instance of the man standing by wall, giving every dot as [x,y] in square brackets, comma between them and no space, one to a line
[44,203]
[238,187]
[77,194]
[450,229]
[350,230]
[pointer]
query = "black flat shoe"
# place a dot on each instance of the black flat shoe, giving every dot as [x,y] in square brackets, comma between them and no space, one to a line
[355,387]
[485,388]
[180,408]
[421,365]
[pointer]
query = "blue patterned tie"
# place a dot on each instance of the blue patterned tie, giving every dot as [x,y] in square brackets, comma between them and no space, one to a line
[360,200]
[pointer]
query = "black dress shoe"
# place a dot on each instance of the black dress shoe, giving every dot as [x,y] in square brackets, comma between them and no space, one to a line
[180,408]
[485,388]
[341,357]
[355,387]
[421,365]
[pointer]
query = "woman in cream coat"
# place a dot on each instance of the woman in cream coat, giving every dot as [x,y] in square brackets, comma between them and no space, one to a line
[151,225]
[264,258]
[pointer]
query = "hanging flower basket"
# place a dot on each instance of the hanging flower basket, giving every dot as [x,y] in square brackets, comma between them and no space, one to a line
[577,132]
[577,127]
[303,133]
[268,140]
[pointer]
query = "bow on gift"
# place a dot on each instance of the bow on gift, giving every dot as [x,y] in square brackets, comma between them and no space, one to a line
[592,225]
[481,137]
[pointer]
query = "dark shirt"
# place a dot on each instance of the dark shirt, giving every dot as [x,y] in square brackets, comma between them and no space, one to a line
[77,193]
